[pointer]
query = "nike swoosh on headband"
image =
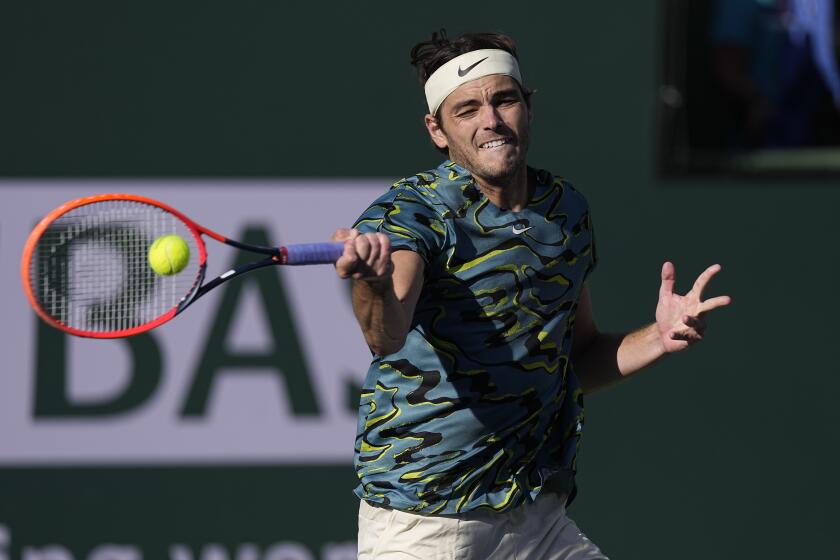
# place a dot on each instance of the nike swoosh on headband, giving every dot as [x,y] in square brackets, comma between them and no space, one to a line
[464,72]
[517,231]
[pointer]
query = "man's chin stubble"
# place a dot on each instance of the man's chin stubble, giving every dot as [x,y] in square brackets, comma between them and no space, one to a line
[504,172]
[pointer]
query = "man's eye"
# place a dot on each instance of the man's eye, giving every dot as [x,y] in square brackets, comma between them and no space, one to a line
[466,113]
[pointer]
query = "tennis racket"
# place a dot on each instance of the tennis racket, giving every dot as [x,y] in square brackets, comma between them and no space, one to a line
[85,266]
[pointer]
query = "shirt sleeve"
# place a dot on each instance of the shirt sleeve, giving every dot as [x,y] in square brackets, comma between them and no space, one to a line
[409,222]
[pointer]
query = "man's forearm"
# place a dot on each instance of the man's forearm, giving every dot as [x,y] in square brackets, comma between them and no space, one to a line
[609,358]
[380,314]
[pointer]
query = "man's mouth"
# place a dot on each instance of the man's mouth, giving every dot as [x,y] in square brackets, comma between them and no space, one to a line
[495,143]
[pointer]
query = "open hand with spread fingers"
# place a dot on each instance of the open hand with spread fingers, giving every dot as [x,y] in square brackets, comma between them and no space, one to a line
[680,319]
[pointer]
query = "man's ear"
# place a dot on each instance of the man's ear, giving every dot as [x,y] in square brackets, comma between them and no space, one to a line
[530,105]
[436,132]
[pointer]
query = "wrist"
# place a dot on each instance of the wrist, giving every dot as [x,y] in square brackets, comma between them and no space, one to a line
[657,341]
[384,277]
[377,284]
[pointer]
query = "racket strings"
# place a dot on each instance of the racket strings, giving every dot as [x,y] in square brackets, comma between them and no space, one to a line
[90,269]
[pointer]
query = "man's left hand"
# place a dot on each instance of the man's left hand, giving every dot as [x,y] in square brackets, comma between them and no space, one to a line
[680,319]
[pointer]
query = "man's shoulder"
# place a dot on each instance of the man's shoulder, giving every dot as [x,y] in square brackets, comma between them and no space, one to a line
[440,188]
[428,181]
[562,186]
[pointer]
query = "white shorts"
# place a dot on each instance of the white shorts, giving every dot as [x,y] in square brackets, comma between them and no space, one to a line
[537,531]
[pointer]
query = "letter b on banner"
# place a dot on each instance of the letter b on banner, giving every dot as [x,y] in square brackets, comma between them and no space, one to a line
[51,396]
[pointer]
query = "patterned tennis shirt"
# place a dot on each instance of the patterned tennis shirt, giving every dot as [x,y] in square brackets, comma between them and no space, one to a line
[480,408]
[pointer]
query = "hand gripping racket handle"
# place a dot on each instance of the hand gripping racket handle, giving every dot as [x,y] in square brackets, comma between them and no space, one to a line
[313,253]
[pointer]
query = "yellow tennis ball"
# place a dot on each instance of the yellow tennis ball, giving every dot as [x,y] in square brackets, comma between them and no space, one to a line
[169,255]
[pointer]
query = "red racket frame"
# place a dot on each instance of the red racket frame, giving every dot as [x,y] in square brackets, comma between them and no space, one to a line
[195,229]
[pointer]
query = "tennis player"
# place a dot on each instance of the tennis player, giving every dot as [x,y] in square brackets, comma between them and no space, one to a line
[469,283]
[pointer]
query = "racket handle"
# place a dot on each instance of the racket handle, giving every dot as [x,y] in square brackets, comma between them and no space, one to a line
[313,253]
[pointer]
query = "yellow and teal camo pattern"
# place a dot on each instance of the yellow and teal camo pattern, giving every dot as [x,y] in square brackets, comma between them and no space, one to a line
[481,406]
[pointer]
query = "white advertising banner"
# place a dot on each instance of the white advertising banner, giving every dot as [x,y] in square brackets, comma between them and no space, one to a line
[264,369]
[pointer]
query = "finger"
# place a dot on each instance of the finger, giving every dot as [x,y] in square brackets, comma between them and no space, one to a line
[669,276]
[375,250]
[350,251]
[384,266]
[714,303]
[385,241]
[362,244]
[696,323]
[703,280]
[688,336]
[341,234]
[676,344]
[348,262]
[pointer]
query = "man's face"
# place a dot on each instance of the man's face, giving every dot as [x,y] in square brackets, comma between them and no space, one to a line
[485,125]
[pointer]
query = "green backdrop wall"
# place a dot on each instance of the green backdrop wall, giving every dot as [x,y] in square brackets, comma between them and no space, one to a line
[727,451]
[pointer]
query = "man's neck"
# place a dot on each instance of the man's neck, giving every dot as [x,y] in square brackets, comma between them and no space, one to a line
[512,194]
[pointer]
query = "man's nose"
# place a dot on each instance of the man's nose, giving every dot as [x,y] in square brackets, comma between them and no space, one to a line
[490,117]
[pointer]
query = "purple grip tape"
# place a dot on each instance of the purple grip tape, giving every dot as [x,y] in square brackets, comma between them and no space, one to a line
[314,253]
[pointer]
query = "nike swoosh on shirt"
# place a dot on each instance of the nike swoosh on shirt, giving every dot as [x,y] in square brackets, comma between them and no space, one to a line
[465,71]
[517,231]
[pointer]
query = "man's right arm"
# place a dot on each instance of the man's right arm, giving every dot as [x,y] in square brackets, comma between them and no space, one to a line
[386,287]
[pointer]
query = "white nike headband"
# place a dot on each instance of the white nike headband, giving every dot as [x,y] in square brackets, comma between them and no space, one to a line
[467,67]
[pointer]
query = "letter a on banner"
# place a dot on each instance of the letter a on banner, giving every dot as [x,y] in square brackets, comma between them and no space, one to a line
[285,357]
